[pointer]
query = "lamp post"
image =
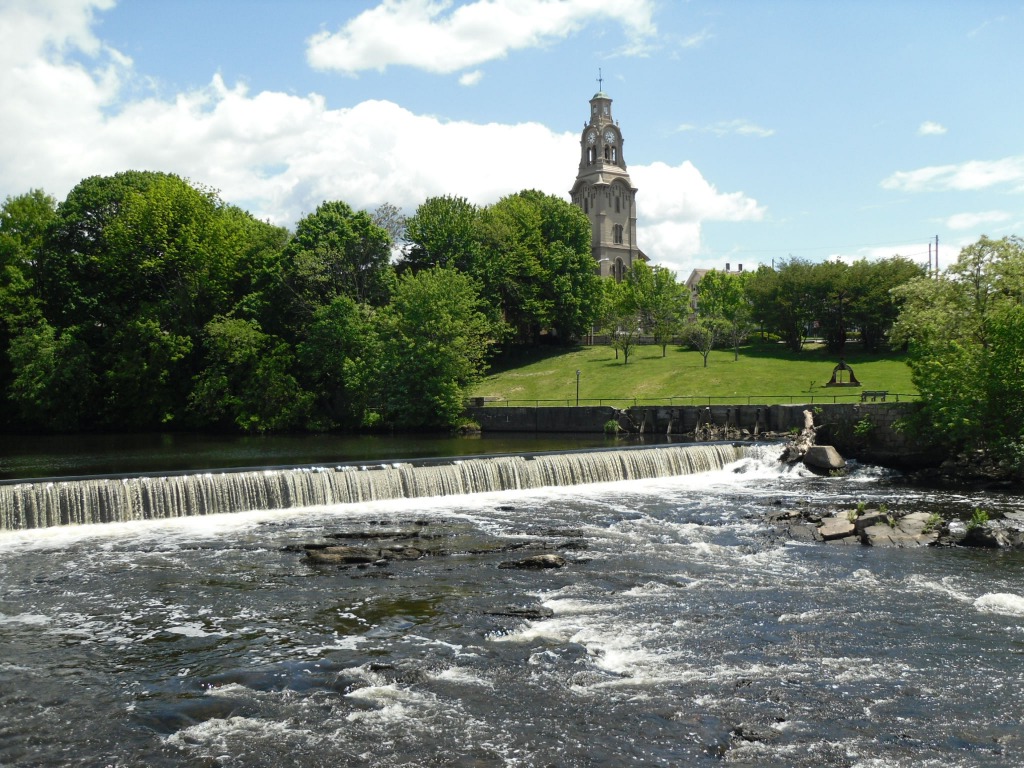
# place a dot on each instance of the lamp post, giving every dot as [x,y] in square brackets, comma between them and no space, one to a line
[577,388]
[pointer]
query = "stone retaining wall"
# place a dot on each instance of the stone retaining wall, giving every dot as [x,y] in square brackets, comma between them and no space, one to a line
[866,431]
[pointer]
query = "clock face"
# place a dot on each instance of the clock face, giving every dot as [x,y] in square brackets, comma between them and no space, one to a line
[591,137]
[609,137]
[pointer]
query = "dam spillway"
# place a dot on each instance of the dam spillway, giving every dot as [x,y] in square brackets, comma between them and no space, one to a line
[54,502]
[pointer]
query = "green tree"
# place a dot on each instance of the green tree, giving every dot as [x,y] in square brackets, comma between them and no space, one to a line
[53,382]
[704,333]
[621,319]
[442,233]
[965,333]
[534,260]
[660,300]
[339,362]
[338,252]
[874,303]
[248,382]
[133,267]
[723,295]
[435,339]
[784,301]
[24,221]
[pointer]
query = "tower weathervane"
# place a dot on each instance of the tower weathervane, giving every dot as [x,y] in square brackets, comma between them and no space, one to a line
[600,80]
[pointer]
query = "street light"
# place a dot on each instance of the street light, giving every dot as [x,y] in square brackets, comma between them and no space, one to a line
[577,388]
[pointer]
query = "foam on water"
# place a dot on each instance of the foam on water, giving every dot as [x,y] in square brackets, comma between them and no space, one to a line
[1000,603]
[29,619]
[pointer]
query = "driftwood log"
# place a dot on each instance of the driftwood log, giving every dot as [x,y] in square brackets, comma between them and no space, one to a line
[798,446]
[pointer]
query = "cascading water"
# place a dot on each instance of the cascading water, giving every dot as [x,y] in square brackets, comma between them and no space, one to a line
[683,629]
[105,500]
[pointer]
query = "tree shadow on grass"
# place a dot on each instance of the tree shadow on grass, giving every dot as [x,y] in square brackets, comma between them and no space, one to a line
[853,354]
[522,356]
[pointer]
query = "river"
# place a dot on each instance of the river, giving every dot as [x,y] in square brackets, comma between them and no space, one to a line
[684,630]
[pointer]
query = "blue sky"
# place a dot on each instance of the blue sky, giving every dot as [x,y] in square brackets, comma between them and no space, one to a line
[753,130]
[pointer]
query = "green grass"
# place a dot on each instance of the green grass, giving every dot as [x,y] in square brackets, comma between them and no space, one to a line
[764,373]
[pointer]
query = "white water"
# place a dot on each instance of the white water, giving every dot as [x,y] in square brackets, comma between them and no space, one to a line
[197,640]
[105,500]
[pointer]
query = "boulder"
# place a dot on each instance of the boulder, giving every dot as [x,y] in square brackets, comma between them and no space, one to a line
[869,519]
[823,458]
[912,530]
[835,528]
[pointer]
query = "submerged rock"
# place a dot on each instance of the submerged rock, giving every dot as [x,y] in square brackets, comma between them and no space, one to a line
[535,562]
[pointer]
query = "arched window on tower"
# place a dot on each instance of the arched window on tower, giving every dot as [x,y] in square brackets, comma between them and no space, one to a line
[615,155]
[607,152]
[591,155]
[619,270]
[617,234]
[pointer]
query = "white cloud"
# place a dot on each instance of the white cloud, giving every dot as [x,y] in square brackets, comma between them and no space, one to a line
[279,155]
[697,39]
[731,127]
[928,128]
[672,203]
[471,78]
[972,175]
[974,220]
[681,193]
[431,35]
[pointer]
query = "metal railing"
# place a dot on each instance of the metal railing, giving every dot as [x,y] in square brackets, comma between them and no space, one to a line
[700,400]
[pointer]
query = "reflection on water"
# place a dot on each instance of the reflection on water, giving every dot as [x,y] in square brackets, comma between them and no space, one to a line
[64,455]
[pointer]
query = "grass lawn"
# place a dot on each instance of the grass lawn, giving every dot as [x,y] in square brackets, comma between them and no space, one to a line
[764,373]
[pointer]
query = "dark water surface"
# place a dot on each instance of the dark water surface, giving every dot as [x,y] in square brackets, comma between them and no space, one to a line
[28,456]
[684,631]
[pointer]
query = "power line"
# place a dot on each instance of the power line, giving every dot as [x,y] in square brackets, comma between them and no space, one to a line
[835,247]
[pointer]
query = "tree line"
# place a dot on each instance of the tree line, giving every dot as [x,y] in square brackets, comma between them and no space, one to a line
[790,302]
[143,301]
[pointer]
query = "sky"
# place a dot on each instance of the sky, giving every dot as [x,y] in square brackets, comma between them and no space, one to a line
[754,130]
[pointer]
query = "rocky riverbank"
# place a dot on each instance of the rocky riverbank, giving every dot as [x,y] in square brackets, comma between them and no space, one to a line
[881,527]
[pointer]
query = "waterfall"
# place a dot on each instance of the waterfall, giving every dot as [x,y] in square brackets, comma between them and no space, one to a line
[119,499]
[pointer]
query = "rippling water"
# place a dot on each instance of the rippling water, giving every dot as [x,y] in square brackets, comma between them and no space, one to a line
[687,632]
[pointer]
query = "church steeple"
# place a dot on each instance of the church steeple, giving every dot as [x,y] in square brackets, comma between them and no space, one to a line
[604,191]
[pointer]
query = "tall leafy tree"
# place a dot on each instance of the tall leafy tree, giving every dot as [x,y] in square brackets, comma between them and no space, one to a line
[435,339]
[534,259]
[722,296]
[784,300]
[340,363]
[442,233]
[24,220]
[622,319]
[337,251]
[248,382]
[874,303]
[965,332]
[660,300]
[132,269]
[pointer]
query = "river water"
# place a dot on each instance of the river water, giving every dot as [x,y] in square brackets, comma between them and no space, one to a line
[684,631]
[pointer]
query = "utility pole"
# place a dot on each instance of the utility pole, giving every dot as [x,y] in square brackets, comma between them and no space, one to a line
[936,255]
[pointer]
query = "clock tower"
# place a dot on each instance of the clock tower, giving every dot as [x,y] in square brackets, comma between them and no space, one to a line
[604,192]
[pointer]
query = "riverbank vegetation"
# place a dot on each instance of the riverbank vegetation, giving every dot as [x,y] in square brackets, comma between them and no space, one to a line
[145,302]
[965,333]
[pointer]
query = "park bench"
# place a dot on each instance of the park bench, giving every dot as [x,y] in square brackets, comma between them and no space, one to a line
[873,395]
